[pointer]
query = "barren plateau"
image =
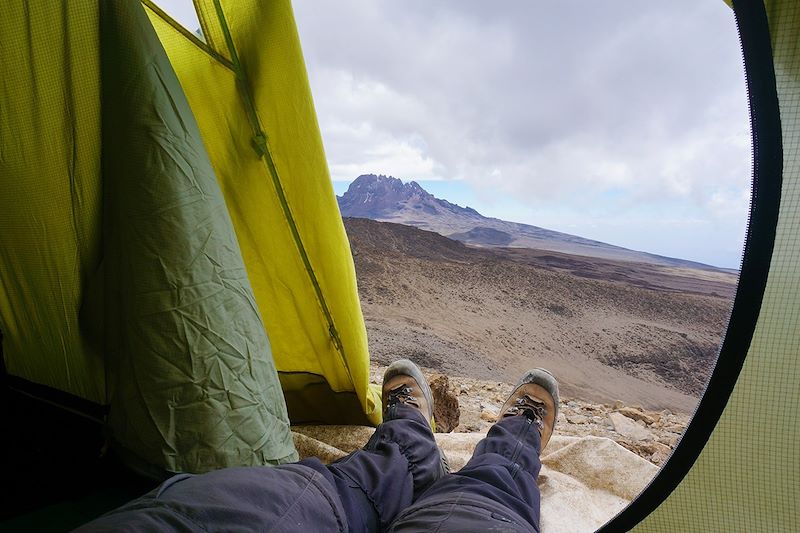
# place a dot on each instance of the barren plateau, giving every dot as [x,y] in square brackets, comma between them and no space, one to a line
[612,331]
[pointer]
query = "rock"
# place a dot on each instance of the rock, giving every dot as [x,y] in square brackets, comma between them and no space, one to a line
[655,452]
[661,452]
[628,428]
[657,447]
[577,419]
[669,440]
[445,404]
[618,404]
[488,416]
[635,414]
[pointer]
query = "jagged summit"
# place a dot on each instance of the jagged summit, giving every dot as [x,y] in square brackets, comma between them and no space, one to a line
[388,199]
[378,196]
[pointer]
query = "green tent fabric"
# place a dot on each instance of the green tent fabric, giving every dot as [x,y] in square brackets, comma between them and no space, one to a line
[193,384]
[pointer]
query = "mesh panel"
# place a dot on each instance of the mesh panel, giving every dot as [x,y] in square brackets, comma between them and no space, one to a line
[747,477]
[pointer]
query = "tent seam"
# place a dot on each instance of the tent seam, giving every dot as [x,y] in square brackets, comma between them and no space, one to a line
[163,15]
[261,147]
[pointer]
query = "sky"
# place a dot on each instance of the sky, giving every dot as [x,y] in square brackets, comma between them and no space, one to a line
[624,121]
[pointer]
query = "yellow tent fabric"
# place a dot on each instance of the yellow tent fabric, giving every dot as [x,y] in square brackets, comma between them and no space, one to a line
[50,194]
[247,86]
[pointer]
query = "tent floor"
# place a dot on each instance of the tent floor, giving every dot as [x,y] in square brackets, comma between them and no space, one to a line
[55,476]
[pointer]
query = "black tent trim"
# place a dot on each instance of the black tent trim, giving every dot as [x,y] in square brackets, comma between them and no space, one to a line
[63,400]
[751,19]
[26,391]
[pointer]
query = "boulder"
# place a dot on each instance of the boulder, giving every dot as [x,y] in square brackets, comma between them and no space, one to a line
[628,428]
[445,404]
[636,414]
[577,419]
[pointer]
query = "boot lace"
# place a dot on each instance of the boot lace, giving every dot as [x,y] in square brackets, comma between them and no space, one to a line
[532,408]
[401,394]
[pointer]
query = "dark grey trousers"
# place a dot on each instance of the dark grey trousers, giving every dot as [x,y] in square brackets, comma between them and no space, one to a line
[394,483]
[495,491]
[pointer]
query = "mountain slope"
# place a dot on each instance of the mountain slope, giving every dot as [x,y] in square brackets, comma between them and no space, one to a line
[640,333]
[388,199]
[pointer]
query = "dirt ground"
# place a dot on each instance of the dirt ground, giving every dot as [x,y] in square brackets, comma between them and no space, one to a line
[641,334]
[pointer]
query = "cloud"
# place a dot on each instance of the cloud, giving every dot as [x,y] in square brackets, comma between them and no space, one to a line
[605,108]
[488,87]
[589,113]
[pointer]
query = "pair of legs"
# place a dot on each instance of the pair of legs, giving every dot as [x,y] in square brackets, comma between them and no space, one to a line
[396,482]
[496,489]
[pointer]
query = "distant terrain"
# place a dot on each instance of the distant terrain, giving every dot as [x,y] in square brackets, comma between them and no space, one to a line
[388,199]
[631,336]
[641,333]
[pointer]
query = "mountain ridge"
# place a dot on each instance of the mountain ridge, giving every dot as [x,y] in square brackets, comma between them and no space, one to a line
[387,199]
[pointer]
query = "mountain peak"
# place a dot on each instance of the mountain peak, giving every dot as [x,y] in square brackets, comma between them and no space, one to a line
[381,183]
[383,197]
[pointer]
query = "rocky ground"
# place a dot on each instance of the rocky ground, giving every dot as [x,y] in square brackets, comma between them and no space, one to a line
[471,406]
[632,344]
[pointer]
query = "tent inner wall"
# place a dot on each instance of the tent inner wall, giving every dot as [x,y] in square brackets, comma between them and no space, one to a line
[51,195]
[102,267]
[746,477]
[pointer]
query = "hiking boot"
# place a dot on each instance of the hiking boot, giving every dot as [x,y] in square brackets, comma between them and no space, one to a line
[404,383]
[536,397]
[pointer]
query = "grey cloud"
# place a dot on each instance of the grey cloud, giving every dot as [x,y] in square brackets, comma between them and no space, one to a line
[542,100]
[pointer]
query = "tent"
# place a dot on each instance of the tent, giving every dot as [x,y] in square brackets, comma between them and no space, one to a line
[130,253]
[187,229]
[168,276]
